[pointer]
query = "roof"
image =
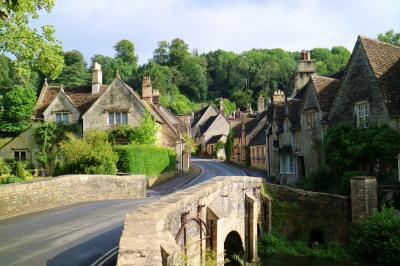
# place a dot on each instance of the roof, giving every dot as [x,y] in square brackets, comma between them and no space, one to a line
[215,139]
[203,128]
[326,90]
[82,97]
[384,59]
[294,107]
[260,138]
[237,131]
[199,114]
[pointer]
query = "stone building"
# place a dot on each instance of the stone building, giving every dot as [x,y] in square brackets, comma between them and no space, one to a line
[208,123]
[96,107]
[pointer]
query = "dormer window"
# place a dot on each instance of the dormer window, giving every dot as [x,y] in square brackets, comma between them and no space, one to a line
[362,112]
[117,118]
[62,118]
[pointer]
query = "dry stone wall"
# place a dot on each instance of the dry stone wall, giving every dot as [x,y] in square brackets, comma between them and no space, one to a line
[37,195]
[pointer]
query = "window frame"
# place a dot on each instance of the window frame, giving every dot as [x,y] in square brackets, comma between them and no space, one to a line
[62,120]
[117,118]
[286,164]
[362,111]
[20,152]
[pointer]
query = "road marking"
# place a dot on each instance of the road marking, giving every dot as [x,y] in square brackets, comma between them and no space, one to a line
[103,259]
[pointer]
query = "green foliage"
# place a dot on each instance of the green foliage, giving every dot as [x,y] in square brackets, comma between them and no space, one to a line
[378,236]
[145,159]
[178,51]
[190,145]
[390,37]
[18,105]
[229,145]
[277,244]
[146,132]
[91,155]
[194,77]
[74,72]
[16,171]
[330,61]
[121,132]
[242,98]
[32,48]
[373,149]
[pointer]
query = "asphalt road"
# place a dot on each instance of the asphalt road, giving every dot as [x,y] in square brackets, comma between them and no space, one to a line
[85,233]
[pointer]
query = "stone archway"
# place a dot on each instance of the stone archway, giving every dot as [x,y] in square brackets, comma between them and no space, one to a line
[233,247]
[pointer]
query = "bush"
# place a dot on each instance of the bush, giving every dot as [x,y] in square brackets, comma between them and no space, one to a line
[320,180]
[145,159]
[378,236]
[91,155]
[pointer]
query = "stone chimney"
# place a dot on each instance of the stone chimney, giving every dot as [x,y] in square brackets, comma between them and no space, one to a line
[260,104]
[147,90]
[156,97]
[221,105]
[305,69]
[97,78]
[278,97]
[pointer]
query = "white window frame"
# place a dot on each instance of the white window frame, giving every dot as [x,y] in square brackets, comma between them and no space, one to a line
[19,157]
[118,118]
[362,114]
[286,164]
[63,115]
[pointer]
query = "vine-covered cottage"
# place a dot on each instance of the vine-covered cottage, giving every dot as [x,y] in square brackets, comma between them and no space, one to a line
[96,107]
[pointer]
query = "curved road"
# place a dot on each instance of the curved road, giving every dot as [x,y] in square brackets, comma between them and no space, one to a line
[85,233]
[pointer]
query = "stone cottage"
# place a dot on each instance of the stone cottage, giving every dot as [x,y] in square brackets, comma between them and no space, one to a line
[96,107]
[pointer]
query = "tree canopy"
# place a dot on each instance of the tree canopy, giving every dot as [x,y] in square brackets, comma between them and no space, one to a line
[390,37]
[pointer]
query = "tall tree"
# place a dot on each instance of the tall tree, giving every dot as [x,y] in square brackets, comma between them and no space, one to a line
[31,48]
[390,37]
[126,61]
[161,53]
[178,50]
[74,72]
[194,84]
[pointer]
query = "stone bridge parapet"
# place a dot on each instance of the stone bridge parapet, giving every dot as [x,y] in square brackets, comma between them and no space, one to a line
[181,227]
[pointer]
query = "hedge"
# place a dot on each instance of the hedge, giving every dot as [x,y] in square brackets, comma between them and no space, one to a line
[145,159]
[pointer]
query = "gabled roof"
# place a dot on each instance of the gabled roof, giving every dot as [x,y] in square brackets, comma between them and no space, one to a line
[260,138]
[385,63]
[215,139]
[203,128]
[199,114]
[325,90]
[81,97]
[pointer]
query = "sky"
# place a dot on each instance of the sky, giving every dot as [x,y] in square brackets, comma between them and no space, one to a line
[94,26]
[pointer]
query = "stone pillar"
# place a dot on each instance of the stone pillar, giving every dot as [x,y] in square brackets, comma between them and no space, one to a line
[364,200]
[179,151]
[185,162]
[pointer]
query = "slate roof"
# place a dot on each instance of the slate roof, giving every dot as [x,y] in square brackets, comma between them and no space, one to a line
[199,114]
[326,90]
[294,108]
[385,63]
[260,138]
[81,97]
[215,139]
[203,128]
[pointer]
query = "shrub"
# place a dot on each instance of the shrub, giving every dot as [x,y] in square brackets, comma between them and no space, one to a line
[146,132]
[320,180]
[145,159]
[229,146]
[91,155]
[379,236]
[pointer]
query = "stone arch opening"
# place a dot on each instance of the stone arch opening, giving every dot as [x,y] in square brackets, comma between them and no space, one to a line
[233,247]
[316,237]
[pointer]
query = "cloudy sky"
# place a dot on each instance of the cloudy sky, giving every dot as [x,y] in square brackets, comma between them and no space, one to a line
[94,26]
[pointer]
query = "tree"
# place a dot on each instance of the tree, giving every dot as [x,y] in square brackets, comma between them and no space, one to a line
[18,105]
[241,98]
[178,50]
[390,37]
[330,61]
[74,72]
[147,131]
[194,84]
[125,50]
[107,67]
[7,78]
[31,48]
[161,53]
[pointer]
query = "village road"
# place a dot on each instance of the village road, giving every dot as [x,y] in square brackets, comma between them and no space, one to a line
[82,233]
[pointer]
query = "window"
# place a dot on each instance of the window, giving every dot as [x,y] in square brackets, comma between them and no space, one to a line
[62,117]
[117,118]
[286,164]
[20,155]
[362,111]
[311,119]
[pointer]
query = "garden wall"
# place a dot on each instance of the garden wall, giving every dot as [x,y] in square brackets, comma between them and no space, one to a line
[22,198]
[305,215]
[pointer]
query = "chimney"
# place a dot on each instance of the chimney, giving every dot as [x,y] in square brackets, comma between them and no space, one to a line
[260,104]
[147,90]
[97,78]
[221,105]
[156,97]
[279,97]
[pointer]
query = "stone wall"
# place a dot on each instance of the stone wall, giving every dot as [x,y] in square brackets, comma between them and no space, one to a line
[298,213]
[22,198]
[363,197]
[154,234]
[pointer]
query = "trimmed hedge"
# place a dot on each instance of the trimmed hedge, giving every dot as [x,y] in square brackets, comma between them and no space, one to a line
[145,159]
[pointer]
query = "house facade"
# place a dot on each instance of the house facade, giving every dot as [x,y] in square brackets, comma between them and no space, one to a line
[96,107]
